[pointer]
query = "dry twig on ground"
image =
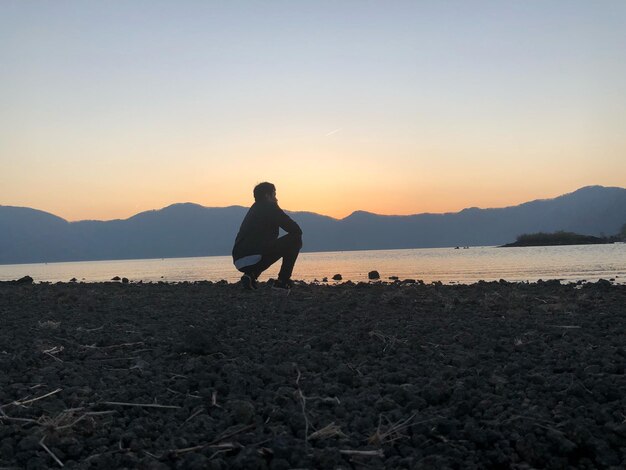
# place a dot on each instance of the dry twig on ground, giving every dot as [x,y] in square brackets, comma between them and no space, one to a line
[391,432]
[141,405]
[303,407]
[328,431]
[364,453]
[45,447]
[32,400]
[388,341]
[214,444]
[113,346]
[394,431]
[88,330]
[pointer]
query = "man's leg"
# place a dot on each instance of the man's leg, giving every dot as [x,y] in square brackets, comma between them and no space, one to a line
[248,281]
[286,247]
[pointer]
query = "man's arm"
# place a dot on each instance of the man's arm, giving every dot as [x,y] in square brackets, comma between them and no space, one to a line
[286,223]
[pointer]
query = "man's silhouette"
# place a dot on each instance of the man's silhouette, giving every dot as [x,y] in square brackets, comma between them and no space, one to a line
[257,245]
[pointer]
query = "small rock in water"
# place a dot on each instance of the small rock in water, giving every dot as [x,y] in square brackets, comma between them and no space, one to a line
[394,278]
[373,275]
[125,280]
[325,279]
[337,277]
[24,280]
[116,278]
[73,279]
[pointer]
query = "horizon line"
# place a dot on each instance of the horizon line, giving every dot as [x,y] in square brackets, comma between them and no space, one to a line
[312,212]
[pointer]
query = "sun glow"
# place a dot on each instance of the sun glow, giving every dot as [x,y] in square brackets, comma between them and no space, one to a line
[102,117]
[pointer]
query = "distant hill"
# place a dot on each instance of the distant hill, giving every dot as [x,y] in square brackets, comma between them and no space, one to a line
[557,238]
[32,236]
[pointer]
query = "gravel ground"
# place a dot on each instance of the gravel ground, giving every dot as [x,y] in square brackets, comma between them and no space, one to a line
[402,375]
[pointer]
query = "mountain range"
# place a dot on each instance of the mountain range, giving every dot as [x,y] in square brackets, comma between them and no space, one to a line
[181,230]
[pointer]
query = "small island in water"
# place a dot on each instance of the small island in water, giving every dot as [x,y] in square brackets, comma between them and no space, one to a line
[564,238]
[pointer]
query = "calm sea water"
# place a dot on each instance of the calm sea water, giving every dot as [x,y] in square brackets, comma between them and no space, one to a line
[449,265]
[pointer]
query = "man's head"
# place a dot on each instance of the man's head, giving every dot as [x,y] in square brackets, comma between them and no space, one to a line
[265,192]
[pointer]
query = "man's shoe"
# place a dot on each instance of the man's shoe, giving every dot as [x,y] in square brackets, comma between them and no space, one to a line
[248,282]
[284,286]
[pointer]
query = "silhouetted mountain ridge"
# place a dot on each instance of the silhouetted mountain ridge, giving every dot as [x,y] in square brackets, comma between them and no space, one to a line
[188,229]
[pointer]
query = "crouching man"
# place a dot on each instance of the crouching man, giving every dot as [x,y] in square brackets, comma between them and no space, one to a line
[257,245]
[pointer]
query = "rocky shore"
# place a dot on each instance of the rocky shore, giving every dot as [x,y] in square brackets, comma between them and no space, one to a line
[401,375]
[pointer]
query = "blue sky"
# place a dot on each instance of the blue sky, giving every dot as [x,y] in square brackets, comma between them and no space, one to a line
[113,107]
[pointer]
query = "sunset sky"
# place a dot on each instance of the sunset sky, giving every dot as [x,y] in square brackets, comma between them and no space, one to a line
[110,108]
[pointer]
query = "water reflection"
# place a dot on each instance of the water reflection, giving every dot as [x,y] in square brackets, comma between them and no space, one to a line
[570,263]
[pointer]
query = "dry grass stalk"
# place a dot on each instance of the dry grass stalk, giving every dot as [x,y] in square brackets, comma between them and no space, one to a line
[328,431]
[355,368]
[303,399]
[3,416]
[303,407]
[193,415]
[364,453]
[190,395]
[141,405]
[214,400]
[214,444]
[226,446]
[392,432]
[32,400]
[217,452]
[114,346]
[61,422]
[105,359]
[333,400]
[52,351]
[388,341]
[45,447]
[87,330]
[67,419]
[53,357]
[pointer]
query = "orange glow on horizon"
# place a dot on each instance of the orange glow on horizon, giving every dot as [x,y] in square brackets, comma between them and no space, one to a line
[328,204]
